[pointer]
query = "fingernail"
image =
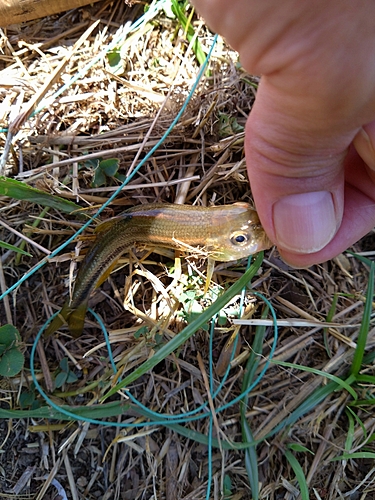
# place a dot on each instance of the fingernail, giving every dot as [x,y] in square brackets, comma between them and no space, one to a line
[364,147]
[305,223]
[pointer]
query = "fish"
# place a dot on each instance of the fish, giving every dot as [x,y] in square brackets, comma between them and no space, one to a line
[226,233]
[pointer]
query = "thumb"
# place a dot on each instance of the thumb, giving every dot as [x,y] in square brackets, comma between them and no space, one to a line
[296,174]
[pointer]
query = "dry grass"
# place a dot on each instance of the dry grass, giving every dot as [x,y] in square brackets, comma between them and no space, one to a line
[107,115]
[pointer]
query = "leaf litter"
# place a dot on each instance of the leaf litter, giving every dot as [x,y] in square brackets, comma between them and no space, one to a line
[109,113]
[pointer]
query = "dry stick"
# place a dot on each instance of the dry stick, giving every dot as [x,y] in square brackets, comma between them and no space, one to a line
[81,435]
[298,323]
[103,154]
[4,156]
[15,126]
[115,450]
[209,396]
[45,367]
[4,288]
[69,472]
[319,454]
[184,188]
[23,481]
[69,355]
[205,118]
[144,185]
[325,442]
[286,410]
[305,314]
[147,136]
[49,480]
[36,245]
[14,54]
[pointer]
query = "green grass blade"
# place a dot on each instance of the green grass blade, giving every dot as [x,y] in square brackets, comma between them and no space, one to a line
[365,260]
[343,383]
[365,324]
[370,438]
[22,191]
[350,434]
[357,454]
[98,411]
[178,11]
[362,402]
[251,458]
[352,415]
[109,410]
[367,379]
[369,357]
[300,476]
[254,358]
[310,402]
[190,329]
[15,249]
[299,448]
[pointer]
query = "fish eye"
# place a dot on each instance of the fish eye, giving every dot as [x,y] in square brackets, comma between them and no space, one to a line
[239,239]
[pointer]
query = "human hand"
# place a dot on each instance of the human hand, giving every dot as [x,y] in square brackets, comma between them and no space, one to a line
[310,137]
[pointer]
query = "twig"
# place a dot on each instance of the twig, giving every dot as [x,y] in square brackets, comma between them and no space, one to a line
[33,243]
[3,286]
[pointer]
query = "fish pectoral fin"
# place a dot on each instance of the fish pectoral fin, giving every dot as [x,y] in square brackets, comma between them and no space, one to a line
[73,318]
[210,272]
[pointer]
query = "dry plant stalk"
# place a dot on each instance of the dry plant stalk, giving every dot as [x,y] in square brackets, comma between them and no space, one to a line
[110,113]
[16,11]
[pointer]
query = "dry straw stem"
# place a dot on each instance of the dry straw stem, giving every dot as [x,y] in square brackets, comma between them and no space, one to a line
[109,112]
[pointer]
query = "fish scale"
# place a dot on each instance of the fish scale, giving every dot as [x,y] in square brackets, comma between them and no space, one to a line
[226,233]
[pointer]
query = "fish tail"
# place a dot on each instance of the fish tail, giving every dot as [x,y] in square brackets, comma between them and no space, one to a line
[76,319]
[73,318]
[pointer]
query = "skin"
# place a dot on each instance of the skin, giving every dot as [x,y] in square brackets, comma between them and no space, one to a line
[310,137]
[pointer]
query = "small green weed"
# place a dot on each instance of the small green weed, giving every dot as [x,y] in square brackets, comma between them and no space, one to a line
[227,487]
[28,399]
[11,356]
[65,374]
[228,125]
[105,171]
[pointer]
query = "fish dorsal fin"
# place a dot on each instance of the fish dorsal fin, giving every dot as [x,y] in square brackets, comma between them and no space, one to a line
[108,224]
[104,226]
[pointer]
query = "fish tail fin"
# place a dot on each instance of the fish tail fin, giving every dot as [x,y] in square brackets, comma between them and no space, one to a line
[76,319]
[73,318]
